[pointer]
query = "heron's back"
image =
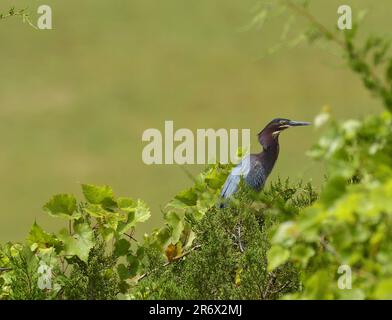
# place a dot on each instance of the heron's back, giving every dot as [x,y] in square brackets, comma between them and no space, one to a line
[252,171]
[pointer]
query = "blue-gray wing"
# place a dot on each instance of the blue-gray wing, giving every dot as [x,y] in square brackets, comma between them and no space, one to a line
[233,180]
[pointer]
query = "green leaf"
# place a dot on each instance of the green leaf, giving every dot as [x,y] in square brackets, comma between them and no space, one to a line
[302,253]
[189,197]
[215,178]
[334,189]
[163,236]
[112,219]
[140,213]
[176,224]
[80,243]
[121,247]
[126,204]
[38,238]
[133,265]
[277,256]
[123,271]
[318,286]
[286,233]
[140,252]
[346,207]
[98,194]
[62,205]
[95,210]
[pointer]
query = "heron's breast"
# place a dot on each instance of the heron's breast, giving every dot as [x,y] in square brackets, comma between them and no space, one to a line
[256,177]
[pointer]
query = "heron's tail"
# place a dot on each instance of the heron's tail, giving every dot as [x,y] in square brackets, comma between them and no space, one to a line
[222,202]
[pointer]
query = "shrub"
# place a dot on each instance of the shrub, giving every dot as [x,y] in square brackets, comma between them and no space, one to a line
[230,260]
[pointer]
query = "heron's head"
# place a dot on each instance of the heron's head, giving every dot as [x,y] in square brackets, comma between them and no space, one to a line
[279,124]
[276,126]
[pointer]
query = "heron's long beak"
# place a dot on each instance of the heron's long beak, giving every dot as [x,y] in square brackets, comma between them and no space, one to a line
[298,123]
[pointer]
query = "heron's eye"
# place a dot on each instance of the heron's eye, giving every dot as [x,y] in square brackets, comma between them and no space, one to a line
[282,122]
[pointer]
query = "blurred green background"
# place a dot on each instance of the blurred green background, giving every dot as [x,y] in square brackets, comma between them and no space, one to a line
[74,101]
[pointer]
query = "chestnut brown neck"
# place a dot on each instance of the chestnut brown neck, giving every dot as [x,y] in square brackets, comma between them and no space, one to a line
[270,152]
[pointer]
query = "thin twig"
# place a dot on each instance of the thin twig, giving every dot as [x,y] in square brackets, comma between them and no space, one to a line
[326,246]
[323,29]
[280,289]
[271,280]
[5,269]
[23,13]
[239,239]
[130,236]
[188,173]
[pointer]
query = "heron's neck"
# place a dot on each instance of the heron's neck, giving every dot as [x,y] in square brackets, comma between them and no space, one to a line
[269,155]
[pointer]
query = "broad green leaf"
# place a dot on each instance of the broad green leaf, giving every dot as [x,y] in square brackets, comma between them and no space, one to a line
[106,232]
[121,247]
[163,236]
[176,224]
[62,205]
[302,253]
[190,236]
[347,206]
[140,213]
[176,204]
[80,243]
[123,272]
[38,238]
[112,219]
[204,204]
[126,204]
[287,233]
[277,256]
[98,194]
[133,265]
[189,197]
[215,178]
[334,189]
[318,286]
[95,210]
[140,252]
[126,272]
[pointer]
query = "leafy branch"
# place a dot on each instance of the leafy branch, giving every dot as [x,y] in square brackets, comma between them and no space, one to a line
[357,57]
[301,10]
[23,13]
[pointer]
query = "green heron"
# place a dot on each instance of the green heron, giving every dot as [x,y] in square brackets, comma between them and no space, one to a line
[255,168]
